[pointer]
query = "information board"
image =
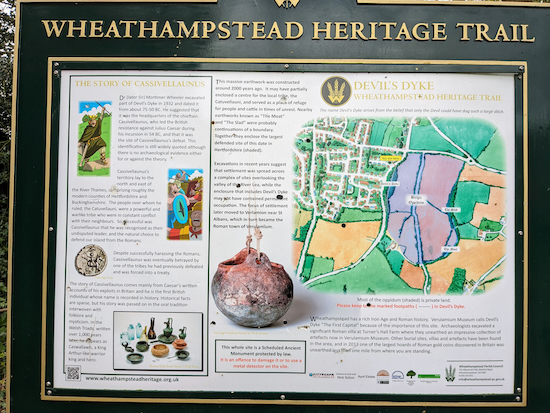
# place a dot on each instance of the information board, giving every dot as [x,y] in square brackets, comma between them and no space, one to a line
[316,205]
[385,196]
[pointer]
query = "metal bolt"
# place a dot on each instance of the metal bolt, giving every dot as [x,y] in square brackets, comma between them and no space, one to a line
[520,77]
[520,232]
[287,66]
[518,399]
[283,397]
[48,383]
[521,68]
[49,392]
[56,72]
[56,64]
[518,390]
[50,229]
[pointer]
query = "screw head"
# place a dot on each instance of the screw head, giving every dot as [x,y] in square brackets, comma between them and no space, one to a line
[48,383]
[518,399]
[287,66]
[518,390]
[521,68]
[56,64]
[520,77]
[283,397]
[50,229]
[520,232]
[49,392]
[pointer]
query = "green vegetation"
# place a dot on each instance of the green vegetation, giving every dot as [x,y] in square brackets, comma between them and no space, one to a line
[457,285]
[395,259]
[467,231]
[377,133]
[321,266]
[7,30]
[308,264]
[333,143]
[373,273]
[490,226]
[494,154]
[303,145]
[472,135]
[357,215]
[466,196]
[427,138]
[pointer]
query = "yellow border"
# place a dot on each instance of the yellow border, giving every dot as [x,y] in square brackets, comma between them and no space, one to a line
[451,3]
[51,61]
[359,2]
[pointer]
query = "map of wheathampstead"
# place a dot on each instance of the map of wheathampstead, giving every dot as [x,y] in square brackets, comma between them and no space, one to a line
[399,205]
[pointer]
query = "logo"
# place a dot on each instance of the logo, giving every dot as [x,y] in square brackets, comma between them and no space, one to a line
[383,377]
[450,373]
[336,91]
[287,4]
[397,375]
[411,374]
[322,375]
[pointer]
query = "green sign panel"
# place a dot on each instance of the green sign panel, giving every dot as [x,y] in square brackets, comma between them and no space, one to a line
[294,203]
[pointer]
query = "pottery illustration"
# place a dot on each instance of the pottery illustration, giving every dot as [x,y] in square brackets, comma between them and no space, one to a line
[183,333]
[142,346]
[151,335]
[179,344]
[252,292]
[160,350]
[135,358]
[168,330]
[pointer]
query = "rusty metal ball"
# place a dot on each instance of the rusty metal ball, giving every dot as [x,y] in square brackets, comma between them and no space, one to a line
[252,292]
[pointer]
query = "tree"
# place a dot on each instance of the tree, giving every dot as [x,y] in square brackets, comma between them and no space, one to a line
[7,31]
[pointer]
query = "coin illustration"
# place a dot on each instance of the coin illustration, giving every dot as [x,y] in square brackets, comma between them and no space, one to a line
[91,260]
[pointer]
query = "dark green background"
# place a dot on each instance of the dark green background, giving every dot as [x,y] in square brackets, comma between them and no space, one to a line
[32,74]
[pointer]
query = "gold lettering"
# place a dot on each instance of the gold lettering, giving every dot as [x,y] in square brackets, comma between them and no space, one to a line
[357,29]
[501,32]
[275,30]
[257,29]
[524,37]
[207,27]
[481,32]
[403,31]
[187,32]
[73,28]
[224,29]
[240,31]
[128,24]
[113,29]
[372,31]
[439,28]
[316,30]
[425,33]
[340,31]
[515,32]
[465,27]
[143,29]
[289,35]
[96,31]
[167,29]
[54,27]
[387,25]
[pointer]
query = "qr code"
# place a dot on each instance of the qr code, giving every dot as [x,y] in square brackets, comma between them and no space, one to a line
[73,373]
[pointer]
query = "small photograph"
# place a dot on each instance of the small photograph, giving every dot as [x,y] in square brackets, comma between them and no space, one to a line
[94,144]
[184,211]
[157,341]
